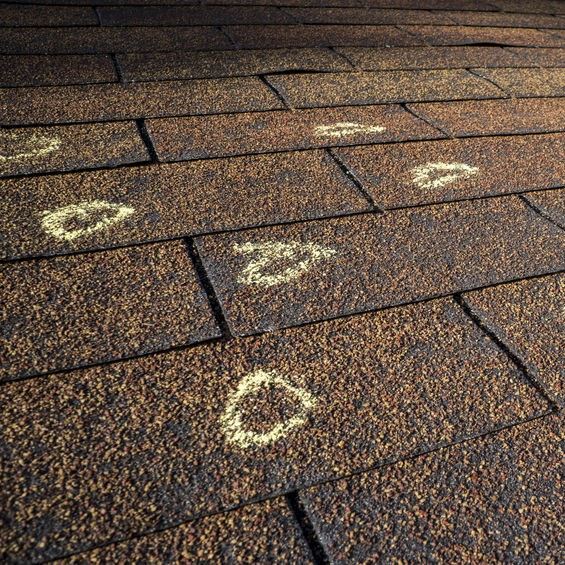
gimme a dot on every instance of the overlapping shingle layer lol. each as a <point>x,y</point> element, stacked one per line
<point>282,281</point>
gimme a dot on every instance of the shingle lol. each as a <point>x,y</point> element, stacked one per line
<point>527,82</point>
<point>551,203</point>
<point>259,132</point>
<point>499,19</point>
<point>42,70</point>
<point>495,116</point>
<point>336,267</point>
<point>539,6</point>
<point>491,500</point>
<point>318,36</point>
<point>528,317</point>
<point>109,39</point>
<point>467,35</point>
<point>176,200</point>
<point>411,174</point>
<point>165,438</point>
<point>337,89</point>
<point>71,311</point>
<point>21,16</point>
<point>431,4</point>
<point>64,148</point>
<point>179,65</point>
<point>100,102</point>
<point>378,59</point>
<point>259,533</point>
<point>543,57</point>
<point>366,16</point>
<point>191,15</point>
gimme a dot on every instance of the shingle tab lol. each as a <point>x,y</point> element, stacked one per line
<point>551,203</point>
<point>191,15</point>
<point>539,6</point>
<point>337,89</point>
<point>411,174</point>
<point>467,35</point>
<point>259,37</point>
<point>541,56</point>
<point>42,70</point>
<point>408,58</point>
<point>64,148</point>
<point>99,102</point>
<point>178,200</point>
<point>528,317</point>
<point>190,65</point>
<point>71,311</point>
<point>259,132</point>
<point>527,82</point>
<point>495,116</point>
<point>22,16</point>
<point>498,19</point>
<point>109,39</point>
<point>366,16</point>
<point>259,533</point>
<point>493,499</point>
<point>165,438</point>
<point>281,276</point>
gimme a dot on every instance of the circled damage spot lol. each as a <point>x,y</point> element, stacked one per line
<point>342,129</point>
<point>438,175</point>
<point>17,147</point>
<point>252,384</point>
<point>302,256</point>
<point>78,220</point>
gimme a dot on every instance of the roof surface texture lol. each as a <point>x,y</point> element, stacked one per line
<point>282,281</point>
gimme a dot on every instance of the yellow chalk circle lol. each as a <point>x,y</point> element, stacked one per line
<point>98,213</point>
<point>231,420</point>
<point>38,145</point>
<point>426,176</point>
<point>341,129</point>
<point>272,251</point>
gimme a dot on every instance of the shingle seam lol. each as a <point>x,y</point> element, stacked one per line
<point>117,68</point>
<point>427,120</point>
<point>146,137</point>
<point>307,528</point>
<point>284,101</point>
<point>539,211</point>
<point>508,351</point>
<point>473,71</point>
<point>208,288</point>
<point>348,173</point>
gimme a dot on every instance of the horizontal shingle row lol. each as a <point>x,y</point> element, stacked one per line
<point>174,200</point>
<point>170,437</point>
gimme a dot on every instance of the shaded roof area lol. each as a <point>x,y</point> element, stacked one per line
<point>282,280</point>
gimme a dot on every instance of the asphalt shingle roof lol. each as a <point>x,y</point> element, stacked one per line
<point>282,281</point>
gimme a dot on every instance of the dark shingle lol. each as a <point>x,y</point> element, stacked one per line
<point>410,174</point>
<point>375,261</point>
<point>215,64</point>
<point>260,132</point>
<point>177,200</point>
<point>71,311</point>
<point>64,148</point>
<point>165,438</point>
<point>486,117</point>
<point>492,499</point>
<point>100,102</point>
<point>337,89</point>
